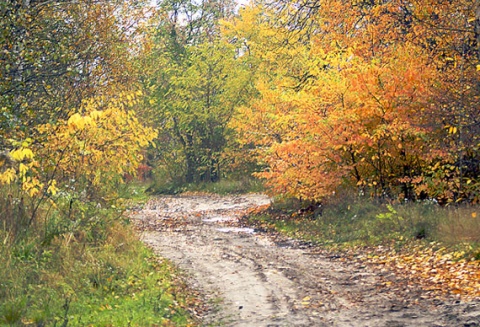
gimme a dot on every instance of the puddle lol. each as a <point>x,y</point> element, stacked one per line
<point>236,230</point>
<point>218,219</point>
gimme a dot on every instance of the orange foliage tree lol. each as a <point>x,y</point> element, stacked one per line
<point>374,96</point>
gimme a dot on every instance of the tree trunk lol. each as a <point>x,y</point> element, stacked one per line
<point>190,174</point>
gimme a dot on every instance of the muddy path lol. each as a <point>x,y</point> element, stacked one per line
<point>251,279</point>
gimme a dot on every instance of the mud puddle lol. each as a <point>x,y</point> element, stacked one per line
<point>253,280</point>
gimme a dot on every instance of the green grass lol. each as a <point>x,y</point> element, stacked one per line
<point>246,185</point>
<point>134,191</point>
<point>363,222</point>
<point>224,186</point>
<point>88,271</point>
<point>119,283</point>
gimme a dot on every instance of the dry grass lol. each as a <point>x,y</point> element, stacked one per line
<point>459,225</point>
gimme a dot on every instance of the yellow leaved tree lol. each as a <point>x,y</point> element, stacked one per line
<point>82,157</point>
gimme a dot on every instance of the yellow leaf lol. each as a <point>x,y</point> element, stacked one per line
<point>306,300</point>
<point>20,154</point>
<point>452,130</point>
<point>33,191</point>
<point>22,169</point>
<point>474,215</point>
<point>8,176</point>
<point>52,189</point>
<point>95,114</point>
<point>75,121</point>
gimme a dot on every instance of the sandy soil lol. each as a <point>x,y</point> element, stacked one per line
<point>253,279</point>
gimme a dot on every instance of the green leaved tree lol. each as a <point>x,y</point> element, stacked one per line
<point>197,82</point>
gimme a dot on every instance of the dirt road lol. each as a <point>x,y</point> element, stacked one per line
<point>254,280</point>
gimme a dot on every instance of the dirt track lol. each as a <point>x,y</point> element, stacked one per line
<point>254,280</point>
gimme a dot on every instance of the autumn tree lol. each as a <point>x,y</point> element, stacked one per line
<point>54,54</point>
<point>68,131</point>
<point>365,95</point>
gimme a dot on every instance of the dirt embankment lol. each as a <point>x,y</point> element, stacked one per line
<point>251,279</point>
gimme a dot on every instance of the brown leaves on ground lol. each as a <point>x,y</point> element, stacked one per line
<point>257,210</point>
<point>184,297</point>
<point>436,270</point>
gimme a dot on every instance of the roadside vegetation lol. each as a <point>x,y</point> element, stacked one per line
<point>437,248</point>
<point>72,133</point>
<point>89,271</point>
<point>360,221</point>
